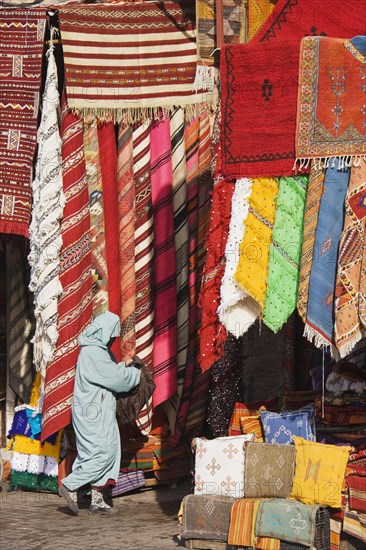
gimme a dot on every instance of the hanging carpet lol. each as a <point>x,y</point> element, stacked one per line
<point>21,50</point>
<point>331,99</point>
<point>75,304</point>
<point>129,57</point>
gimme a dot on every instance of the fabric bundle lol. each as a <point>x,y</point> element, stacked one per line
<point>242,526</point>
<point>284,254</point>
<point>331,98</point>
<point>129,60</point>
<point>75,306</point>
<point>44,230</point>
<point>237,311</point>
<point>21,50</point>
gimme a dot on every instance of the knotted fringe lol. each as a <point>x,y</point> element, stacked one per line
<point>137,114</point>
<point>320,342</point>
<point>344,161</point>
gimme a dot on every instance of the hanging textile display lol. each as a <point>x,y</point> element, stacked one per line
<point>20,321</point>
<point>179,174</point>
<point>320,312</point>
<point>144,253</point>
<point>237,311</point>
<point>331,99</point>
<point>212,333</point>
<point>108,166</point>
<point>97,229</point>
<point>284,253</point>
<point>142,56</point>
<point>21,50</point>
<point>348,327</point>
<point>75,306</point>
<point>251,272</point>
<point>165,290</point>
<point>44,231</point>
<point>315,190</point>
<point>234,26</point>
<point>126,205</point>
<point>260,84</point>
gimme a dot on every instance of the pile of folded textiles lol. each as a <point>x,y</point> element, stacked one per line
<point>273,485</point>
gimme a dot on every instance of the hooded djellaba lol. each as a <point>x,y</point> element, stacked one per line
<point>98,379</point>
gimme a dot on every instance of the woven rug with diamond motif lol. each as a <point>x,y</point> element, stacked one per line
<point>22,34</point>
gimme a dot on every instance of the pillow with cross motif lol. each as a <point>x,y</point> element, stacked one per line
<point>219,465</point>
<point>281,427</point>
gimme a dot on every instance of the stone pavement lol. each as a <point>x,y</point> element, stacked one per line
<point>146,520</point>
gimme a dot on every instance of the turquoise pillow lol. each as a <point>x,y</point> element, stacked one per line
<point>280,427</point>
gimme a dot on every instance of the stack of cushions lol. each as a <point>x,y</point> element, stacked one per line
<point>242,410</point>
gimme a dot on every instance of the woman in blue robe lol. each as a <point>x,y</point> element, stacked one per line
<point>98,378</point>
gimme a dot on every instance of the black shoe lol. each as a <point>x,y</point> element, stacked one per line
<point>99,511</point>
<point>65,492</point>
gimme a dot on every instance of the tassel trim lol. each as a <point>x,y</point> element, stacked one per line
<point>344,161</point>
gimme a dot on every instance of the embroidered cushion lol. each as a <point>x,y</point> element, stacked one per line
<point>219,466</point>
<point>319,472</point>
<point>281,427</point>
<point>269,470</point>
<point>252,425</point>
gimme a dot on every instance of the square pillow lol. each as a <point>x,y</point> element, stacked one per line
<point>252,425</point>
<point>281,427</point>
<point>219,466</point>
<point>240,409</point>
<point>319,473</point>
<point>269,470</point>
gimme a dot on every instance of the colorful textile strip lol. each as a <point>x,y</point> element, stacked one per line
<point>320,313</point>
<point>34,482</point>
<point>131,52</point>
<point>20,321</point>
<point>331,98</point>
<point>126,204</point>
<point>21,50</point>
<point>285,252</point>
<point>251,272</point>
<point>258,13</point>
<point>179,170</point>
<point>45,228</point>
<point>191,143</point>
<point>165,301</point>
<point>128,481</point>
<point>75,305</point>
<point>212,333</point>
<point>242,526</point>
<point>97,229</point>
<point>237,311</point>
<point>108,166</point>
<point>315,190</point>
<point>234,26</point>
<point>144,252</point>
<point>348,328</point>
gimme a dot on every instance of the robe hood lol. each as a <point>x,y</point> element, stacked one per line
<point>101,330</point>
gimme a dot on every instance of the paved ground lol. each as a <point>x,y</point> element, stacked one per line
<point>146,520</point>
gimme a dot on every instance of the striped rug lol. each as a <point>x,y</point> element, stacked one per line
<point>75,305</point>
<point>126,204</point>
<point>144,257</point>
<point>127,57</point>
<point>165,300</point>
